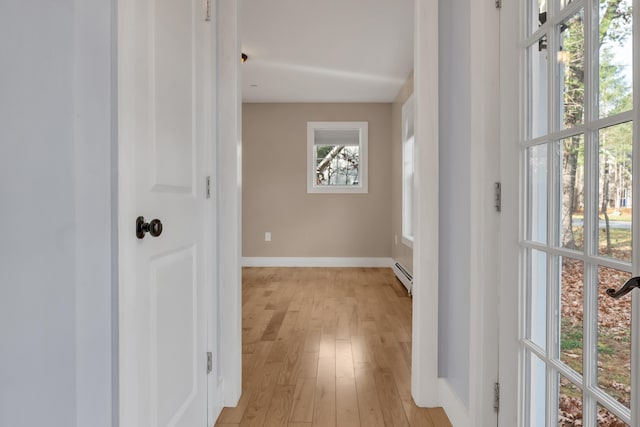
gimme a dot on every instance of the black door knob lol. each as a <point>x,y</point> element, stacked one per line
<point>154,227</point>
<point>631,284</point>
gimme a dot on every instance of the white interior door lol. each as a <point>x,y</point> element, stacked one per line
<point>569,139</point>
<point>164,82</point>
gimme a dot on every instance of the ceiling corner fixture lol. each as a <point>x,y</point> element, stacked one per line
<point>243,58</point>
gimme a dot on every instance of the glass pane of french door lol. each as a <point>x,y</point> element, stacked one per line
<point>578,359</point>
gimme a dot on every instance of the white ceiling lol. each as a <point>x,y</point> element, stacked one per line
<point>325,50</point>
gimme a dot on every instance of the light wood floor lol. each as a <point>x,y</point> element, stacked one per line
<point>326,347</point>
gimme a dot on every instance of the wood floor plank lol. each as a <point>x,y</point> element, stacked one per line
<point>328,346</point>
<point>324,347</point>
<point>279,407</point>
<point>360,353</point>
<point>250,384</point>
<point>256,411</point>
<point>293,360</point>
<point>401,373</point>
<point>312,343</point>
<point>303,400</point>
<point>342,330</point>
<point>288,325</point>
<point>324,405</point>
<point>273,327</point>
<point>390,402</point>
<point>418,417</point>
<point>347,413</point>
<point>439,417</point>
<point>278,352</point>
<point>344,359</point>
<point>308,366</point>
<point>368,403</point>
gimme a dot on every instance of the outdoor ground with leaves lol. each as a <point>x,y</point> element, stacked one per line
<point>614,342</point>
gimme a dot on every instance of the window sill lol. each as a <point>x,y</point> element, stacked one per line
<point>407,241</point>
<point>337,190</point>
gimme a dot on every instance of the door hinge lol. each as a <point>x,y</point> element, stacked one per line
<point>496,397</point>
<point>208,187</point>
<point>498,4</point>
<point>207,10</point>
<point>497,196</point>
<point>209,362</point>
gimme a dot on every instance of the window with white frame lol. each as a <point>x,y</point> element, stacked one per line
<point>408,118</point>
<point>337,157</point>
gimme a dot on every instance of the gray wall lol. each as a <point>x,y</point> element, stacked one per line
<point>55,213</point>
<point>455,182</point>
<point>274,185</point>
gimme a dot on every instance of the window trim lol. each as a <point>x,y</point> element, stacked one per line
<point>363,178</point>
<point>408,109</point>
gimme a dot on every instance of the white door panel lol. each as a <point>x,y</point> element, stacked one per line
<point>174,333</point>
<point>173,95</point>
<point>163,126</point>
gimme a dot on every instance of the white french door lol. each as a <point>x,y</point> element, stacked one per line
<point>577,154</point>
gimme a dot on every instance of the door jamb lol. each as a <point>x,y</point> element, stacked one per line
<point>483,357</point>
<point>425,313</point>
<point>229,201</point>
<point>485,222</point>
<point>510,106</point>
<point>424,366</point>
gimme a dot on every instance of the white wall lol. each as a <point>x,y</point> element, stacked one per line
<point>454,196</point>
<point>95,129</point>
<point>55,210</point>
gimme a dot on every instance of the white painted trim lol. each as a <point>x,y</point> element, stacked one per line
<point>229,201</point>
<point>215,393</point>
<point>485,223</point>
<point>424,366</point>
<point>407,241</point>
<point>456,410</point>
<point>217,405</point>
<point>398,268</point>
<point>511,21</point>
<point>635,307</point>
<point>408,115</point>
<point>127,346</point>
<point>381,262</point>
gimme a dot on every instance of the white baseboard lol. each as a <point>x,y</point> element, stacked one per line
<point>316,262</point>
<point>456,410</point>
<point>218,401</point>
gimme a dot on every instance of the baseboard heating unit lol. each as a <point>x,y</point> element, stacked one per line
<point>403,275</point>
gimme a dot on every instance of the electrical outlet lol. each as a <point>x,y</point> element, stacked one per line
<point>267,236</point>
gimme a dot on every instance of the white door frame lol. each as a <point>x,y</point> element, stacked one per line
<point>485,221</point>
<point>427,388</point>
<point>510,106</point>
<point>229,155</point>
<point>483,346</point>
<point>214,392</point>
<point>229,201</point>
<point>424,366</point>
